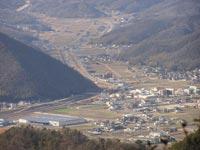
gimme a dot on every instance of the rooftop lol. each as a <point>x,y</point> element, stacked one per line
<point>45,118</point>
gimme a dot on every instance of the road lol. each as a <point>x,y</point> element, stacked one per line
<point>111,69</point>
<point>45,107</point>
<point>26,5</point>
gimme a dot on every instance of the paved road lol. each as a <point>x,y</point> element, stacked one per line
<point>26,5</point>
<point>44,107</point>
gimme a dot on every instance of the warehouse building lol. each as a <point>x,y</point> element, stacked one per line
<point>3,122</point>
<point>52,120</point>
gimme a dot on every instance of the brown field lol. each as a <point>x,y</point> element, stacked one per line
<point>189,115</point>
<point>2,130</point>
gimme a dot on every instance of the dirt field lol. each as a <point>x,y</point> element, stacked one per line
<point>2,130</point>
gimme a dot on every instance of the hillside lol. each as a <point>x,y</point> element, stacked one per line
<point>19,24</point>
<point>29,138</point>
<point>167,33</point>
<point>66,8</point>
<point>86,8</point>
<point>11,4</point>
<point>28,74</point>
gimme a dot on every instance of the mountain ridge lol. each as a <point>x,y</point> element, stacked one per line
<point>28,74</point>
<point>160,33</point>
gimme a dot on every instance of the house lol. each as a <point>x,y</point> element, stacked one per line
<point>129,118</point>
<point>167,92</point>
<point>193,90</point>
<point>173,129</point>
<point>158,134</point>
<point>96,131</point>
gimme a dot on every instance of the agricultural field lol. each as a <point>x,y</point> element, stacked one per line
<point>89,111</point>
<point>135,77</point>
<point>70,31</point>
<point>188,114</point>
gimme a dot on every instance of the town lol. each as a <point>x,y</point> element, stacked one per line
<point>146,113</point>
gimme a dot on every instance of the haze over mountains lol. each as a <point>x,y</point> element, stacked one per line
<point>28,74</point>
<point>88,8</point>
<point>161,33</point>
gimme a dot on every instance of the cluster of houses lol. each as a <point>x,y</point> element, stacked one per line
<point>97,58</point>
<point>148,109</point>
<point>12,106</point>
<point>155,137</point>
<point>193,76</point>
<point>144,125</point>
<point>149,99</point>
<point>164,92</point>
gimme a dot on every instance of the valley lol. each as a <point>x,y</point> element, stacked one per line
<point>137,101</point>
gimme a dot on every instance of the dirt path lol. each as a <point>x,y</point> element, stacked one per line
<point>26,5</point>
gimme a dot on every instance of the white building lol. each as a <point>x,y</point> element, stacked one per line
<point>52,120</point>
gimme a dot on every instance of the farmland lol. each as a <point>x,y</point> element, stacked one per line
<point>90,111</point>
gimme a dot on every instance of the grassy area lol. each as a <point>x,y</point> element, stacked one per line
<point>83,127</point>
<point>92,111</point>
<point>189,114</point>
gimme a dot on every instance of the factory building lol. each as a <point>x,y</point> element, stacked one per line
<point>52,120</point>
<point>3,122</point>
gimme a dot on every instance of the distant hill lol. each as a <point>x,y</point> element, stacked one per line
<point>28,74</point>
<point>66,8</point>
<point>19,24</point>
<point>11,4</point>
<point>125,6</point>
<point>167,33</point>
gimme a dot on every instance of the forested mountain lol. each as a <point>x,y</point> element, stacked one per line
<point>29,74</point>
<point>80,8</point>
<point>167,33</point>
<point>18,23</point>
<point>28,138</point>
<point>162,32</point>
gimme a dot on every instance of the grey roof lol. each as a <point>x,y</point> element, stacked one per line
<point>46,118</point>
